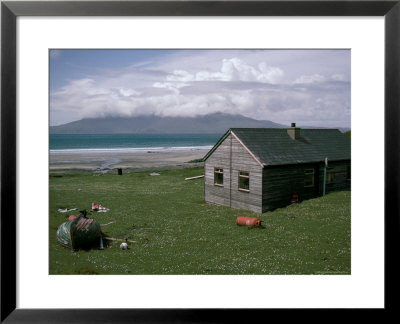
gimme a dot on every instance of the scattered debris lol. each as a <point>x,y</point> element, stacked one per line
<point>124,246</point>
<point>197,177</point>
<point>248,221</point>
<point>154,174</point>
<point>99,208</point>
<point>66,210</point>
<point>113,222</point>
<point>117,239</point>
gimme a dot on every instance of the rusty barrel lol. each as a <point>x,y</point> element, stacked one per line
<point>248,221</point>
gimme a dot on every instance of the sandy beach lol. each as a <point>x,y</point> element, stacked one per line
<point>105,161</point>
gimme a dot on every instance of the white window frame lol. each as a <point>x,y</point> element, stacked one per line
<point>218,171</point>
<point>241,176</point>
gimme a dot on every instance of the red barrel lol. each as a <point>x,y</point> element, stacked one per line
<point>248,221</point>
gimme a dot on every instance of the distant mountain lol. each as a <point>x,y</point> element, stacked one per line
<point>212,123</point>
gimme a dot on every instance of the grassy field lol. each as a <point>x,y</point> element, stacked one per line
<point>176,232</point>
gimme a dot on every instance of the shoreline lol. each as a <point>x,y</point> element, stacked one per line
<point>132,161</point>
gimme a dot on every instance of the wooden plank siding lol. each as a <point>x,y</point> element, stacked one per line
<point>275,171</point>
<point>341,177</point>
<point>233,157</point>
<point>279,183</point>
<point>219,159</point>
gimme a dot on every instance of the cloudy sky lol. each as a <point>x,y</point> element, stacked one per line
<point>309,87</point>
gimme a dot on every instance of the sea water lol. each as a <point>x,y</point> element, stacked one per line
<point>105,150</point>
<point>81,143</point>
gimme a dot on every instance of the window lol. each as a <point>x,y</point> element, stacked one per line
<point>330,175</point>
<point>244,180</point>
<point>219,177</point>
<point>309,178</point>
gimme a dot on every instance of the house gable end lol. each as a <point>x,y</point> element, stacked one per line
<point>222,139</point>
<point>247,149</point>
<point>216,145</point>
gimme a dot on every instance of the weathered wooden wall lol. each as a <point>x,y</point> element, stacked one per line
<point>279,183</point>
<point>220,158</point>
<point>340,176</point>
<point>270,187</point>
<point>243,161</point>
<point>229,194</point>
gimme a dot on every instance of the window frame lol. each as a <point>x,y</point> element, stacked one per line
<point>240,176</point>
<point>307,174</point>
<point>330,175</point>
<point>218,172</point>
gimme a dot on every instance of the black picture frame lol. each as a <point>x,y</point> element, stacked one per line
<point>10,10</point>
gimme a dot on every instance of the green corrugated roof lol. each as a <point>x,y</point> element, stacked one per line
<point>274,146</point>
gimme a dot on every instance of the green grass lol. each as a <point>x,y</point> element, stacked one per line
<point>176,232</point>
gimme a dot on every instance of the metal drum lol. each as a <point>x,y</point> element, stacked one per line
<point>248,221</point>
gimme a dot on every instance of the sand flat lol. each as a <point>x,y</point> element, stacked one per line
<point>149,160</point>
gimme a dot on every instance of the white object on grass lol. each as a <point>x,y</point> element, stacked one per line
<point>60,210</point>
<point>197,177</point>
<point>124,246</point>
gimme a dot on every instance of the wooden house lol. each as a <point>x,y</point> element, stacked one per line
<point>260,169</point>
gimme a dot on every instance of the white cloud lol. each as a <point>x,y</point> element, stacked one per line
<point>317,78</point>
<point>233,69</point>
<point>180,75</point>
<point>172,86</point>
<point>184,87</point>
<point>310,79</point>
<point>128,92</point>
<point>338,77</point>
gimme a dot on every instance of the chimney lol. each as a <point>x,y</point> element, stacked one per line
<point>293,131</point>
